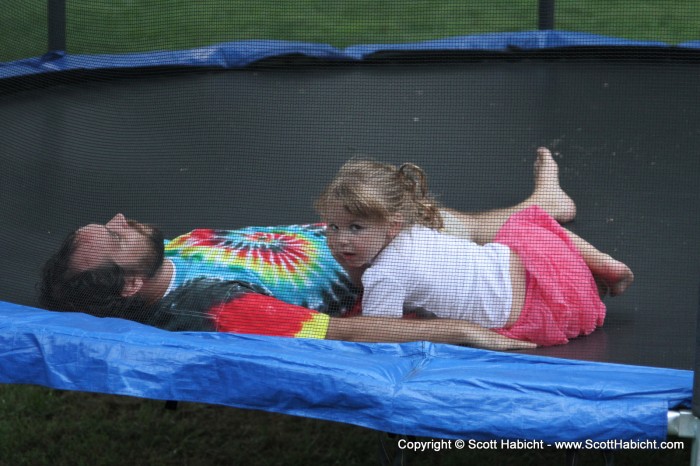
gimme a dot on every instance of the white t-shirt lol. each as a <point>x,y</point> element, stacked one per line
<point>422,269</point>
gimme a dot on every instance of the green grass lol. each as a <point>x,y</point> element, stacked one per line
<point>39,426</point>
<point>117,26</point>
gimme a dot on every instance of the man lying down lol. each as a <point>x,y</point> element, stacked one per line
<point>280,281</point>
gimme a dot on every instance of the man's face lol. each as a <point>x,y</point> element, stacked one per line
<point>135,247</point>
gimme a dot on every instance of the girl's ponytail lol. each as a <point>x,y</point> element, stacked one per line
<point>427,211</point>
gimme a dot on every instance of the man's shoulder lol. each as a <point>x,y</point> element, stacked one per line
<point>189,306</point>
<point>204,292</point>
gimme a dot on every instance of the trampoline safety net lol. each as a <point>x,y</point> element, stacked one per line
<point>425,185</point>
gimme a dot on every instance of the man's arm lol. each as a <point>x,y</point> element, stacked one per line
<point>458,332</point>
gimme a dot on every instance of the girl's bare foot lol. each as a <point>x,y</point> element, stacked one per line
<point>603,288</point>
<point>548,193</point>
<point>615,275</point>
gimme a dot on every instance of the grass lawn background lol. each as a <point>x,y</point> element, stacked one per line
<point>118,26</point>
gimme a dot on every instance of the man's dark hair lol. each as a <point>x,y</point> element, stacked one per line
<point>96,291</point>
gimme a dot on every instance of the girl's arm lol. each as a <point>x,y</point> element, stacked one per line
<point>259,314</point>
<point>458,332</point>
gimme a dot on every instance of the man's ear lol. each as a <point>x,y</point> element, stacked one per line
<point>132,285</point>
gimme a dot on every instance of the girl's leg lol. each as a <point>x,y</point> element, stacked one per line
<point>549,196</point>
<point>482,227</point>
<point>613,273</point>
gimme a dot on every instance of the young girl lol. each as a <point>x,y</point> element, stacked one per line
<point>535,281</point>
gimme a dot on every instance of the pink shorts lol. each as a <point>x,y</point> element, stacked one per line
<point>561,300</point>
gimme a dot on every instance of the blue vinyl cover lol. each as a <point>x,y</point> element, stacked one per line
<point>423,389</point>
<point>243,53</point>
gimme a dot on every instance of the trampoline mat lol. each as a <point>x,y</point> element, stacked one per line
<point>226,149</point>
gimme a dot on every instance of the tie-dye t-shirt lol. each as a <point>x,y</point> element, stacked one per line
<point>215,305</point>
<point>293,263</point>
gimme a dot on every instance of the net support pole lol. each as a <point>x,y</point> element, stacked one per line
<point>684,423</point>
<point>546,15</point>
<point>696,372</point>
<point>694,454</point>
<point>57,25</point>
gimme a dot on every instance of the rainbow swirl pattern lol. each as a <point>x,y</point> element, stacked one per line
<point>293,262</point>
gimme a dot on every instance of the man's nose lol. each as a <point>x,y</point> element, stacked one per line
<point>118,221</point>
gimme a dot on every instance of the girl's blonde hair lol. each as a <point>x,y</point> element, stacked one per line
<point>378,191</point>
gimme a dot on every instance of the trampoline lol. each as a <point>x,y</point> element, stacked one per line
<point>267,123</point>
